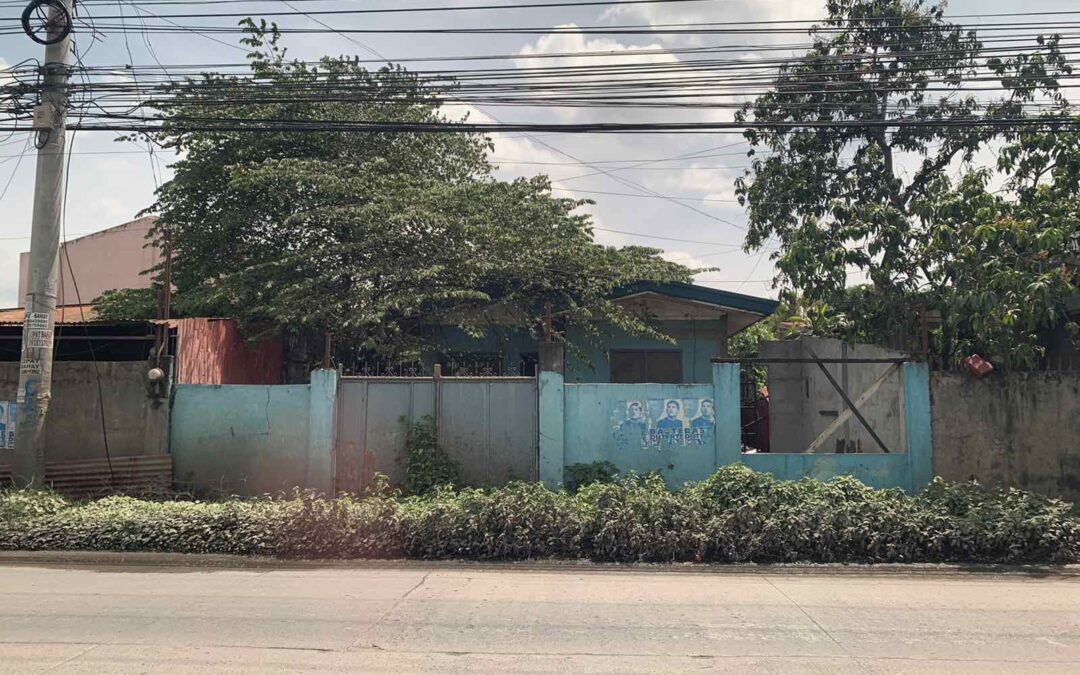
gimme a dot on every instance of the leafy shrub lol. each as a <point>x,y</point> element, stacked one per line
<point>734,516</point>
<point>425,467</point>
<point>17,504</point>
<point>577,476</point>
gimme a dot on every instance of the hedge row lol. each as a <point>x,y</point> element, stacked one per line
<point>734,516</point>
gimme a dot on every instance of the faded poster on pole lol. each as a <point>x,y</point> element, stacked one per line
<point>9,411</point>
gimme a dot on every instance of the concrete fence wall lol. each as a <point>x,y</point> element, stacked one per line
<point>585,423</point>
<point>255,439</point>
<point>487,425</point>
<point>1020,430</point>
<point>136,420</point>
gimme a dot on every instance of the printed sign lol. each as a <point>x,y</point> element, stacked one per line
<point>663,423</point>
<point>37,321</point>
<point>9,411</point>
<point>39,339</point>
<point>30,366</point>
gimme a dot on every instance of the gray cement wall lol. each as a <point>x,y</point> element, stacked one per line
<point>1020,430</point>
<point>136,422</point>
<point>802,402</point>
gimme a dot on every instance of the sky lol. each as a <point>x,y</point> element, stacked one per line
<point>684,206</point>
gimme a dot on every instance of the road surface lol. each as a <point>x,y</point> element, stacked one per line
<point>450,619</point>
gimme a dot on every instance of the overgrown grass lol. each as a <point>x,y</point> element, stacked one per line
<point>734,516</point>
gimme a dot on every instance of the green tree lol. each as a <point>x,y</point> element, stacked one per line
<point>370,235</point>
<point>1002,261</point>
<point>864,123</point>
<point>864,133</point>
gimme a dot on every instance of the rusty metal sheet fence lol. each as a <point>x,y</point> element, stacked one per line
<point>487,424</point>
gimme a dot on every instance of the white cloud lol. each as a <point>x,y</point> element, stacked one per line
<point>721,13</point>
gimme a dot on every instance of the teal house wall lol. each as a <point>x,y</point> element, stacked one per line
<point>698,341</point>
<point>698,321</point>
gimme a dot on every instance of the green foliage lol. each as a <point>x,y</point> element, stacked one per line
<point>127,304</point>
<point>577,476</point>
<point>736,515</point>
<point>21,504</point>
<point>747,344</point>
<point>426,468</point>
<point>372,236</point>
<point>875,194</point>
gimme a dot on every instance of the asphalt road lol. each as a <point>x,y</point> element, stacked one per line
<point>450,619</point>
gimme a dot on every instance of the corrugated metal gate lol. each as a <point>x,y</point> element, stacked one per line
<point>488,424</point>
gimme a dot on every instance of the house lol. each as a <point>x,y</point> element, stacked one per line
<point>700,320</point>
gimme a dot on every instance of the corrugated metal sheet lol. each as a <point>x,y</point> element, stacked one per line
<point>64,314</point>
<point>212,351</point>
<point>94,476</point>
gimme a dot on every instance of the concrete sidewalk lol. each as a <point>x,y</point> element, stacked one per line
<point>473,618</point>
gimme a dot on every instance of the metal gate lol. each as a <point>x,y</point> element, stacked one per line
<point>487,424</point>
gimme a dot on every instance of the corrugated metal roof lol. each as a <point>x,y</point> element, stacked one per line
<point>67,314</point>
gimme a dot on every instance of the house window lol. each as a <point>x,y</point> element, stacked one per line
<point>646,365</point>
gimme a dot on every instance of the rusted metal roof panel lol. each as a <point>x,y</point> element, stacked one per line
<point>100,476</point>
<point>64,315</point>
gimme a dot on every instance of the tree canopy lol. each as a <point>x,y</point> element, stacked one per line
<point>871,163</point>
<point>370,235</point>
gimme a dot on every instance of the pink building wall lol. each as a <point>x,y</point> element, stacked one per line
<point>111,259</point>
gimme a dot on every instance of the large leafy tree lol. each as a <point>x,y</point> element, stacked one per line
<point>862,125</point>
<point>1002,261</point>
<point>853,171</point>
<point>370,235</point>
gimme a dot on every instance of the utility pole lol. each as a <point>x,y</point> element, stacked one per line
<point>47,22</point>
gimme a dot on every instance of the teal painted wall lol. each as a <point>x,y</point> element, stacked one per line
<point>255,439</point>
<point>590,418</point>
<point>552,401</point>
<point>699,342</point>
<point>625,424</point>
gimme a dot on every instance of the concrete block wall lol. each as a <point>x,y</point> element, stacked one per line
<point>1020,430</point>
<point>136,419</point>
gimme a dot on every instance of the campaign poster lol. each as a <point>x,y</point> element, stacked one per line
<point>663,423</point>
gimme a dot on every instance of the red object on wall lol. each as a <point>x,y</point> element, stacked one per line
<point>978,366</point>
<point>212,351</point>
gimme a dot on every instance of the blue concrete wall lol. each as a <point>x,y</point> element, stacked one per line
<point>552,401</point>
<point>254,439</point>
<point>592,419</point>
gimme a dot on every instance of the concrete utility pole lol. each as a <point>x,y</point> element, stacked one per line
<point>54,20</point>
